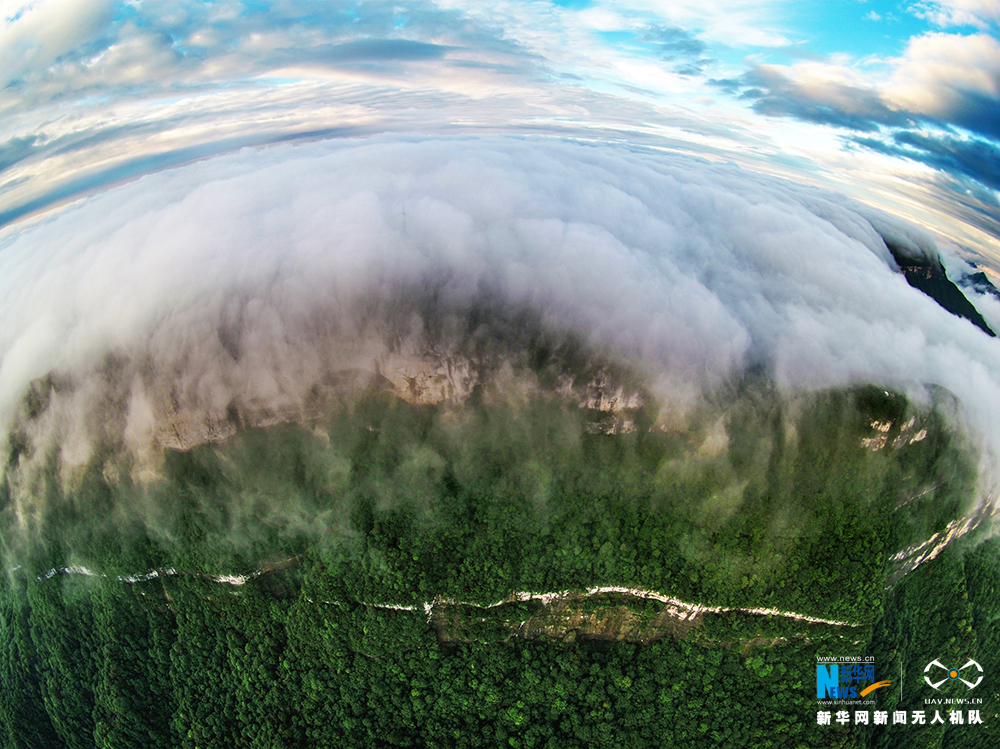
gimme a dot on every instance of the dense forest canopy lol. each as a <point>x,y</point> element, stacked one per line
<point>362,580</point>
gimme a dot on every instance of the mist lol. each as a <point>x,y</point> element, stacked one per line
<point>276,285</point>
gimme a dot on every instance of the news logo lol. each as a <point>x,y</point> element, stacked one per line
<point>846,681</point>
<point>952,674</point>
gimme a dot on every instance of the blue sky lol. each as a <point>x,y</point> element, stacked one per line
<point>894,103</point>
<point>857,28</point>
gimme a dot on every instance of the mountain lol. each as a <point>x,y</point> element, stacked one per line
<point>929,277</point>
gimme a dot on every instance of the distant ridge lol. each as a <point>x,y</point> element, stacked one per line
<point>929,277</point>
<point>978,282</point>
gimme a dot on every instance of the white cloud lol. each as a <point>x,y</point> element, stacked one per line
<point>938,71</point>
<point>835,82</point>
<point>739,23</point>
<point>34,34</point>
<point>253,277</point>
<point>978,13</point>
<point>933,76</point>
<point>940,79</point>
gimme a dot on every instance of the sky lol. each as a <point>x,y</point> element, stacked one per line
<point>896,104</point>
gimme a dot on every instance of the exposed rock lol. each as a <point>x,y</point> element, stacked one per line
<point>929,277</point>
<point>570,618</point>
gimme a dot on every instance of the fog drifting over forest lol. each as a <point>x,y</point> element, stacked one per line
<point>249,280</point>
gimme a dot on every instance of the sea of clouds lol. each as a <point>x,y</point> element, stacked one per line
<point>250,278</point>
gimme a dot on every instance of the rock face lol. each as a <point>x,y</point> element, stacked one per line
<point>436,378</point>
<point>567,619</point>
<point>929,277</point>
<point>907,434</point>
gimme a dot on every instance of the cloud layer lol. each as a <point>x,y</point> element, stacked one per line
<point>255,279</point>
<point>97,92</point>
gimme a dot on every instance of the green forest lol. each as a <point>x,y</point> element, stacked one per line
<point>372,550</point>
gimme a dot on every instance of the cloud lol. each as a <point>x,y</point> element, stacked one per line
<point>249,283</point>
<point>121,88</point>
<point>676,44</point>
<point>978,13</point>
<point>672,41</point>
<point>736,23</point>
<point>941,78</point>
<point>810,92</point>
<point>16,149</point>
<point>142,49</point>
<point>975,158</point>
<point>941,82</point>
<point>370,55</point>
<point>35,34</point>
<point>950,78</point>
<point>365,50</point>
<point>156,83</point>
